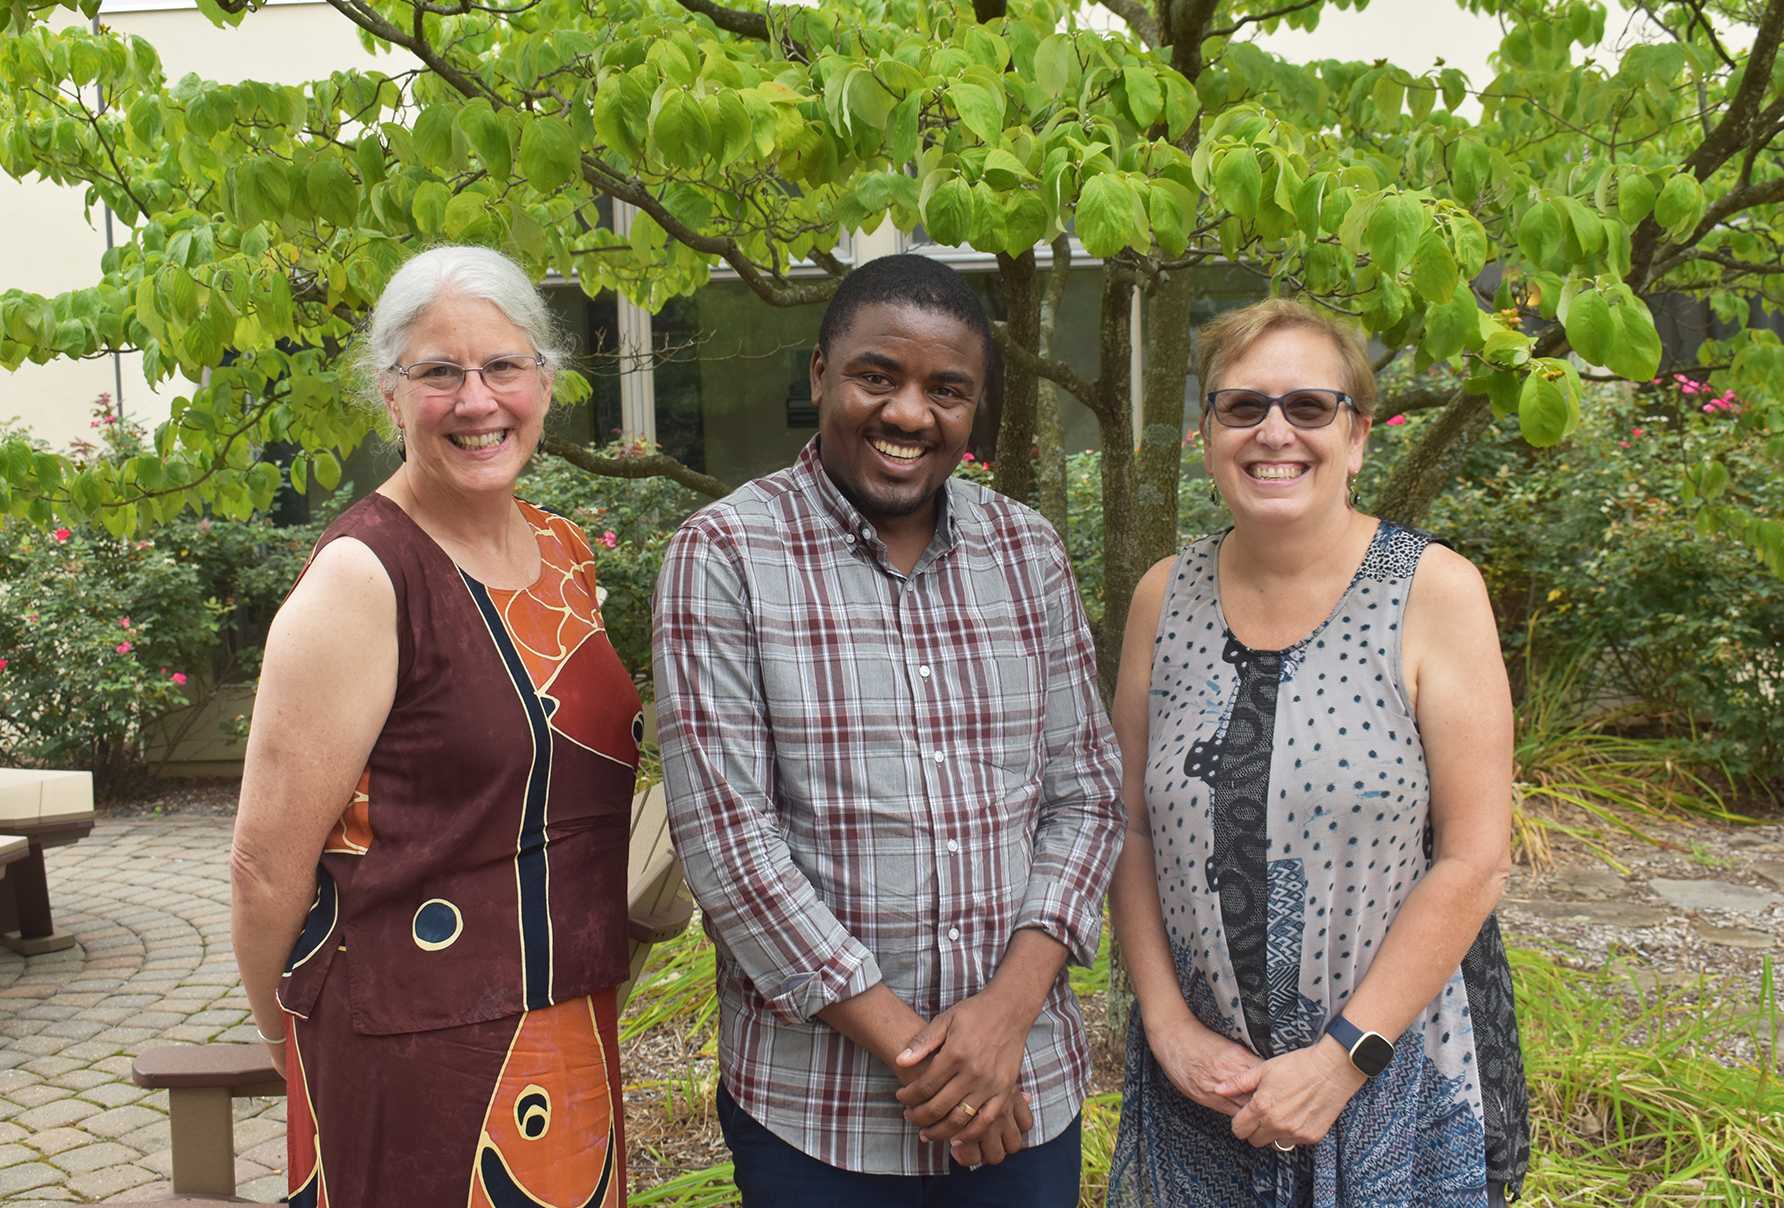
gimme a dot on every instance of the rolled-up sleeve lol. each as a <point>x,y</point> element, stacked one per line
<point>1081,815</point>
<point>718,768</point>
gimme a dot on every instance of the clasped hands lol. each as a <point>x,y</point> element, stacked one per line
<point>960,1075</point>
<point>1290,1099</point>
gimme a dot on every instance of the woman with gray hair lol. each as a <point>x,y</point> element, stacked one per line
<point>429,868</point>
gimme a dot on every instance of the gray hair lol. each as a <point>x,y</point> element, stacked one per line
<point>442,272</point>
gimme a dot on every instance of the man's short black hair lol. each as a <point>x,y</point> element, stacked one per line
<point>905,280</point>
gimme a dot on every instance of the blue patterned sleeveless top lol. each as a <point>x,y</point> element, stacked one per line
<point>1289,805</point>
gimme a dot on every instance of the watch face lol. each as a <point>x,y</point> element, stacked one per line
<point>1372,1054</point>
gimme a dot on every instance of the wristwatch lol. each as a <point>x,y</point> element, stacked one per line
<point>1370,1052</point>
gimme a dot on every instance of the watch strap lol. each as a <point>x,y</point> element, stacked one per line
<point>1370,1052</point>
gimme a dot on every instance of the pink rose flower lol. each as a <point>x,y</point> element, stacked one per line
<point>179,678</point>
<point>1622,444</point>
<point>1635,432</point>
<point>609,540</point>
<point>1395,421</point>
<point>2,664</point>
<point>63,534</point>
<point>123,647</point>
<point>123,622</point>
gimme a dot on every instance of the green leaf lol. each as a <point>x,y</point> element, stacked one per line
<point>467,216</point>
<point>1434,272</point>
<point>1590,328</point>
<point>1680,204</point>
<point>904,129</point>
<point>1181,105</point>
<point>489,137</point>
<point>432,137</point>
<point>328,470</point>
<point>1025,221</point>
<point>1105,215</point>
<point>1634,352</point>
<point>1004,171</point>
<point>1448,328</point>
<point>1471,168</point>
<point>1635,196</point>
<point>1469,238</point>
<point>429,207</point>
<point>548,154</point>
<point>1387,95</point>
<point>1539,233</point>
<point>1542,411</point>
<point>621,112</point>
<point>262,189</point>
<point>1394,230</point>
<point>334,194</point>
<point>1056,64</point>
<point>1238,182</point>
<point>1165,206</point>
<point>733,135</point>
<point>679,130</point>
<point>980,111</point>
<point>1145,99</point>
<point>948,212</point>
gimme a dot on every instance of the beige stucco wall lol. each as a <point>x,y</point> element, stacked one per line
<point>52,246</point>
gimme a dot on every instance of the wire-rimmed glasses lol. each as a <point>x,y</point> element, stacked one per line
<point>445,377</point>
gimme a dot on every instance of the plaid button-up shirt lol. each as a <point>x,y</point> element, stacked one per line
<point>874,776</point>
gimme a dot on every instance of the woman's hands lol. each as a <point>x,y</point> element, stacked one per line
<point>1199,1062</point>
<point>1294,1098</point>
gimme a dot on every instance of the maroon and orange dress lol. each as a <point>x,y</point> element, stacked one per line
<point>453,1024</point>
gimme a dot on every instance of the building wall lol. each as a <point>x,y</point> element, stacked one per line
<point>286,43</point>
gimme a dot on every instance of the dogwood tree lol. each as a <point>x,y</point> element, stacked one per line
<point>1523,247</point>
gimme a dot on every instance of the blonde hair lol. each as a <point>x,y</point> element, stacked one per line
<point>1225,338</point>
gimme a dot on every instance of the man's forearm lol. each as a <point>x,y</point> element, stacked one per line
<point>1030,966</point>
<point>880,1022</point>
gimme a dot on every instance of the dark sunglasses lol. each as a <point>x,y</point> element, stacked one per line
<point>1306,408</point>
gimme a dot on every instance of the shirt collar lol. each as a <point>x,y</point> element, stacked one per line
<point>815,483</point>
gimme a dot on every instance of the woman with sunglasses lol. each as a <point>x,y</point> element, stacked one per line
<point>1313,711</point>
<point>429,869</point>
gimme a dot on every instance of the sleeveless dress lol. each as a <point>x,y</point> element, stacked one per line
<point>1289,806</point>
<point>450,1000</point>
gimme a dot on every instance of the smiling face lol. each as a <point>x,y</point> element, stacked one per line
<point>895,400</point>
<point>1276,471</point>
<point>473,439</point>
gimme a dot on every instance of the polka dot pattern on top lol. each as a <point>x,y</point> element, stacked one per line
<point>1289,804</point>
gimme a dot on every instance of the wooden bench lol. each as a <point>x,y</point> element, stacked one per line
<point>46,809</point>
<point>201,1080</point>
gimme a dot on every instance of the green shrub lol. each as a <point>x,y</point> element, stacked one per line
<point>100,635</point>
<point>1594,560</point>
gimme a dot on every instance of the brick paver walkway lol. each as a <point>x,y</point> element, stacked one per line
<point>148,902</point>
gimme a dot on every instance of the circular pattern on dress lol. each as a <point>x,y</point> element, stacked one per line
<point>437,924</point>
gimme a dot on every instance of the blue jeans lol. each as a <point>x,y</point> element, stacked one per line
<point>773,1174</point>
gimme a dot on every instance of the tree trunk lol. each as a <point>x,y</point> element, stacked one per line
<point>1014,471</point>
<point>1112,403</point>
<point>1423,471</point>
<point>1160,459</point>
<point>1049,421</point>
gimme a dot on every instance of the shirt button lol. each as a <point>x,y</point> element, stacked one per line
<point>848,538</point>
<point>953,845</point>
<point>923,671</point>
<point>953,933</point>
<point>938,756</point>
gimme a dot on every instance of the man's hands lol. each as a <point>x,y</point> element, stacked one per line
<point>970,1056</point>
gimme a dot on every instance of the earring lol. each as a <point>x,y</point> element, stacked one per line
<point>1351,497</point>
<point>1213,492</point>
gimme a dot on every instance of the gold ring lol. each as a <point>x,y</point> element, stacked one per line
<point>1281,1148</point>
<point>968,1108</point>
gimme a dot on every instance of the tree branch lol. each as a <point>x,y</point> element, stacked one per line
<point>1242,22</point>
<point>654,465</point>
<point>1137,17</point>
<point>1057,372</point>
<point>1185,29</point>
<point>1744,267</point>
<point>744,25</point>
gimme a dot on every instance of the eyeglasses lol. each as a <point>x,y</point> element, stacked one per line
<point>1306,408</point>
<point>444,377</point>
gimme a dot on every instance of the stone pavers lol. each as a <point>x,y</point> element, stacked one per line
<point>148,903</point>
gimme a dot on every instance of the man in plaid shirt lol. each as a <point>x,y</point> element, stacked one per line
<point>892,786</point>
